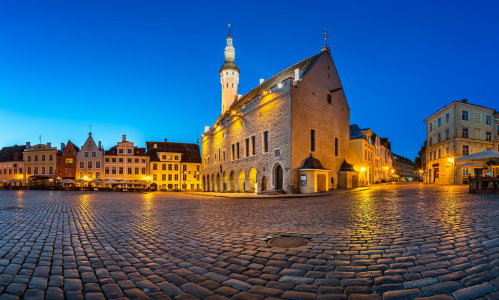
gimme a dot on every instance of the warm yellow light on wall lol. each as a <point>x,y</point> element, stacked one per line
<point>386,168</point>
<point>450,159</point>
<point>85,177</point>
<point>148,178</point>
<point>362,170</point>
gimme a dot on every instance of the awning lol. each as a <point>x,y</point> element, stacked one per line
<point>480,156</point>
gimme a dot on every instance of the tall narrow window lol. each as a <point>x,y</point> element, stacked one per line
<point>247,146</point>
<point>237,150</point>
<point>233,152</point>
<point>329,98</point>
<point>265,141</point>
<point>253,146</point>
<point>464,133</point>
<point>336,147</point>
<point>312,140</point>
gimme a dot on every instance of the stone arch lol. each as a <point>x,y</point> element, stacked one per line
<point>252,180</point>
<point>212,183</point>
<point>218,183</point>
<point>225,182</point>
<point>277,177</point>
<point>232,182</point>
<point>241,181</point>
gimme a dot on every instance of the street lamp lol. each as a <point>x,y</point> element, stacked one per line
<point>451,160</point>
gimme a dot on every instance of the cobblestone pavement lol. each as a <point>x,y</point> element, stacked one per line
<point>390,242</point>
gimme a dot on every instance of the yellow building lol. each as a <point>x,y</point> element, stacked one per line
<point>174,166</point>
<point>40,164</point>
<point>458,129</point>
<point>125,162</point>
<point>11,166</point>
<point>371,156</point>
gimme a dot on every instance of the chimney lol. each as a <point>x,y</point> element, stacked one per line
<point>100,145</point>
<point>261,80</point>
<point>49,144</point>
<point>297,76</point>
<point>155,146</point>
<point>28,145</point>
<point>62,146</point>
<point>123,138</point>
<point>464,101</point>
<point>166,140</point>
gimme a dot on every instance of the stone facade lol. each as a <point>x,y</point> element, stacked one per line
<point>458,129</point>
<point>259,143</point>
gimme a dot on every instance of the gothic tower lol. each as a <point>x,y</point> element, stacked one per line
<point>229,75</point>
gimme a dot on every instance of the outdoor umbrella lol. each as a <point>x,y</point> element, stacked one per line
<point>480,156</point>
<point>471,165</point>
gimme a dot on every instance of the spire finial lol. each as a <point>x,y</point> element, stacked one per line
<point>228,29</point>
<point>325,47</point>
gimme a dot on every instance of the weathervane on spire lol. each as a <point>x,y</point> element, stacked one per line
<point>228,27</point>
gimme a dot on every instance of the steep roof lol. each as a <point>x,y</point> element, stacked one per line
<point>12,153</point>
<point>303,65</point>
<point>190,152</point>
<point>355,132</point>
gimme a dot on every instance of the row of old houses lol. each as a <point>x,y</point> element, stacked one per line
<point>291,133</point>
<point>159,166</point>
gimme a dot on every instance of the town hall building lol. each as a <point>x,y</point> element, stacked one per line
<point>289,134</point>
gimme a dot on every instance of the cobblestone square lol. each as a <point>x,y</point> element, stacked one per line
<point>385,242</point>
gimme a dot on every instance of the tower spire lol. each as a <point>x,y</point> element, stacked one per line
<point>229,74</point>
<point>325,47</point>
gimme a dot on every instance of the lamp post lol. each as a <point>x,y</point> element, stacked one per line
<point>451,160</point>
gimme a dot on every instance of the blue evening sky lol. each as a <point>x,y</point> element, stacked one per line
<point>149,68</point>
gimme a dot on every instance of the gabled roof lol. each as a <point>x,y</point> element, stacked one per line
<point>12,153</point>
<point>190,152</point>
<point>303,65</point>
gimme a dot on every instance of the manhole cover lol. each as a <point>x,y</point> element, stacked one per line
<point>288,242</point>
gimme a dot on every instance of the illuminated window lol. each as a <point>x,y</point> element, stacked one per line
<point>69,160</point>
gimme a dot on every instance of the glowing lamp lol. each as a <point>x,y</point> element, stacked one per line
<point>450,159</point>
<point>85,177</point>
<point>362,169</point>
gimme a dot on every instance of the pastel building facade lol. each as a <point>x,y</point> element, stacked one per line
<point>11,164</point>
<point>40,163</point>
<point>126,162</point>
<point>262,140</point>
<point>174,166</point>
<point>90,160</point>
<point>370,155</point>
<point>66,161</point>
<point>458,129</point>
